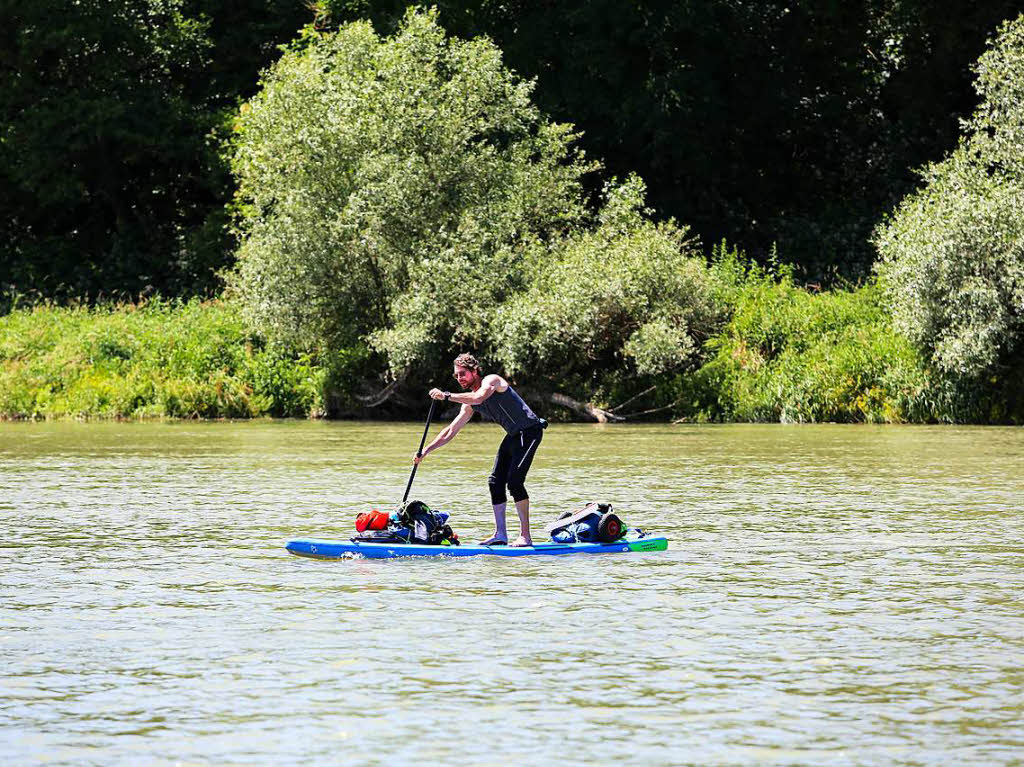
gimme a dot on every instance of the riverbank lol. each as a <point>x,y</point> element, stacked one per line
<point>785,354</point>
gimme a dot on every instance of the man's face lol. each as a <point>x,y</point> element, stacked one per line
<point>467,378</point>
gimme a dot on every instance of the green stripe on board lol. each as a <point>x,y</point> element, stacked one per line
<point>657,544</point>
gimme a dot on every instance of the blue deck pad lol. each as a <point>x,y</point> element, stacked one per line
<point>319,548</point>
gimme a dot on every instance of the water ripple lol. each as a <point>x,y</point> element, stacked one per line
<point>835,595</point>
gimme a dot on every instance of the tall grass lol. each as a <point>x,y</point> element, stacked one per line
<point>791,354</point>
<point>155,359</point>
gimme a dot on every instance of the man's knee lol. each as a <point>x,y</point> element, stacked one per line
<point>497,489</point>
<point>518,491</point>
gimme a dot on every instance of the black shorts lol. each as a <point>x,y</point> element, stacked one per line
<point>515,455</point>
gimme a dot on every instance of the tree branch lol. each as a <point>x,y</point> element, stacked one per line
<point>373,400</point>
<point>619,407</point>
<point>652,410</point>
<point>584,408</point>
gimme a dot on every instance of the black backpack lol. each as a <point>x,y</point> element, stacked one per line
<point>425,524</point>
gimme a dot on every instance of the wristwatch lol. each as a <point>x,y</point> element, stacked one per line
<point>447,396</point>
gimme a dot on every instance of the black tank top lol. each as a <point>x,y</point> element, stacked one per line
<point>508,410</point>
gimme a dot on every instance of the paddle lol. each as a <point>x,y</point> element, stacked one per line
<point>419,452</point>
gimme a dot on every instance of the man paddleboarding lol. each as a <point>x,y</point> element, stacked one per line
<point>492,397</point>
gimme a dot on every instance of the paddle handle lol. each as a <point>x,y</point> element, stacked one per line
<point>419,452</point>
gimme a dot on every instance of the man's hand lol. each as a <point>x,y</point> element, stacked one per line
<point>417,458</point>
<point>436,394</point>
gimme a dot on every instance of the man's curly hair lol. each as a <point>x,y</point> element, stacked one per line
<point>469,362</point>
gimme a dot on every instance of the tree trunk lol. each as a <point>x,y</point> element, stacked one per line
<point>584,408</point>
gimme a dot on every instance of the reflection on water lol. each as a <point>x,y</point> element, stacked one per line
<point>840,595</point>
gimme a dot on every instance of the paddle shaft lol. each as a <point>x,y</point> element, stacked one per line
<point>419,452</point>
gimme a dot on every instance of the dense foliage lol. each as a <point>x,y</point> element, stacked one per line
<point>111,177</point>
<point>791,123</point>
<point>793,355</point>
<point>401,195</point>
<point>788,124</point>
<point>405,193</point>
<point>953,254</point>
<point>159,358</point>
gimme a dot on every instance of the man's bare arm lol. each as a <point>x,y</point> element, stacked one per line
<point>488,386</point>
<point>447,434</point>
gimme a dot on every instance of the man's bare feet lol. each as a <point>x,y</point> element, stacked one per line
<point>522,541</point>
<point>494,540</point>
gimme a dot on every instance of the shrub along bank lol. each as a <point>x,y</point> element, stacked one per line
<point>155,359</point>
<point>781,353</point>
<point>793,354</point>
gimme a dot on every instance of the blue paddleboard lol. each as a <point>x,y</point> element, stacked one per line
<point>319,548</point>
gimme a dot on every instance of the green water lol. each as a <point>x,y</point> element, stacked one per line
<point>832,595</point>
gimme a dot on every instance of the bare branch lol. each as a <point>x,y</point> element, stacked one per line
<point>373,400</point>
<point>584,408</point>
<point>619,407</point>
<point>652,410</point>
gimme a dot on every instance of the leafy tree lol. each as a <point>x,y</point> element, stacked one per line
<point>953,253</point>
<point>405,193</point>
<point>390,187</point>
<point>774,123</point>
<point>96,199</point>
<point>111,179</point>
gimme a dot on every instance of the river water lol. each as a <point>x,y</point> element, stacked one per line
<point>842,595</point>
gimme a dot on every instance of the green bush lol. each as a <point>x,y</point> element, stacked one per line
<point>952,255</point>
<point>792,355</point>
<point>159,358</point>
<point>626,301</point>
